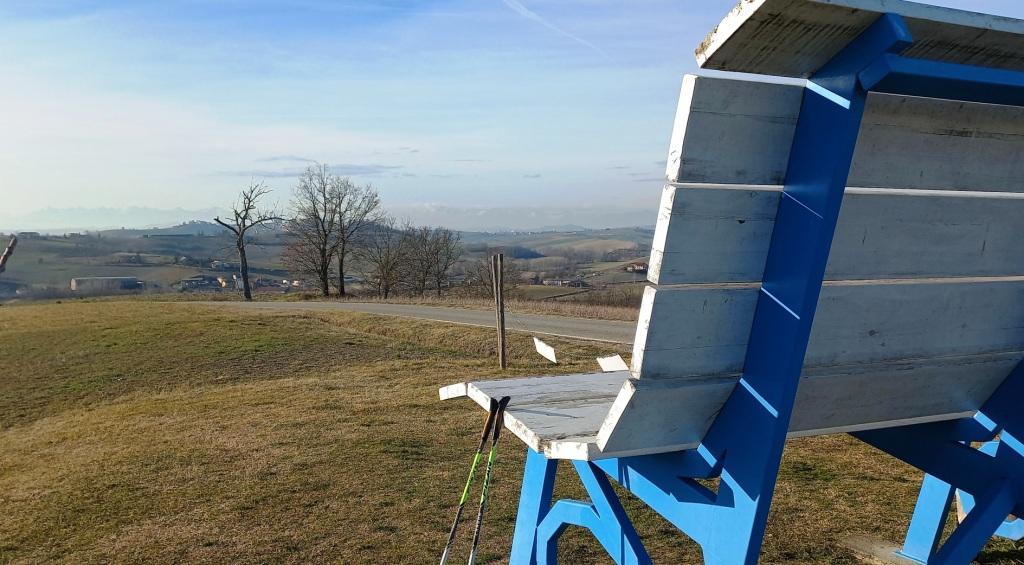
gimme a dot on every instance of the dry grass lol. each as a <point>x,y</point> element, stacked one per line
<point>146,432</point>
<point>572,309</point>
<point>561,307</point>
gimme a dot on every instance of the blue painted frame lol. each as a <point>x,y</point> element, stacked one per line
<point>1010,529</point>
<point>744,445</point>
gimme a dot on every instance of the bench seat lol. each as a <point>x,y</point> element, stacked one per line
<point>558,416</point>
<point>581,417</point>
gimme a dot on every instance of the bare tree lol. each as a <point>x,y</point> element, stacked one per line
<point>446,250</point>
<point>419,268</point>
<point>356,208</point>
<point>313,238</point>
<point>478,275</point>
<point>384,255</point>
<point>431,253</point>
<point>247,215</point>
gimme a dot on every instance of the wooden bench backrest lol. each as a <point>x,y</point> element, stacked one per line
<point>922,312</point>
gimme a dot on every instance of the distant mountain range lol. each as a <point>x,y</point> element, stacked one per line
<point>481,219</point>
<point>504,219</point>
<point>63,220</point>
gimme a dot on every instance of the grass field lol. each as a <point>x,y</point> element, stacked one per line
<point>53,262</point>
<point>168,432</point>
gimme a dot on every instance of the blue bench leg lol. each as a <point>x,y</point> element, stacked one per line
<point>603,516</point>
<point>539,524</point>
<point>929,518</point>
<point>534,504</point>
<point>970,537</point>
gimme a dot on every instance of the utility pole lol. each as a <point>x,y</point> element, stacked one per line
<point>498,285</point>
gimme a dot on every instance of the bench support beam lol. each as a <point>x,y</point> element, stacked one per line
<point>991,478</point>
<point>538,526</point>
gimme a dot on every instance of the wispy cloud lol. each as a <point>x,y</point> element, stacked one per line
<point>292,172</point>
<point>285,158</point>
<point>518,7</point>
<point>532,176</point>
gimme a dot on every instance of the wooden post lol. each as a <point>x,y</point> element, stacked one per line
<point>498,286</point>
<point>8,252</point>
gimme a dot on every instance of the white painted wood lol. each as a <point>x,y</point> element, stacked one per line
<point>731,131</point>
<point>545,350</point>
<point>612,364</point>
<point>697,330</point>
<point>602,415</point>
<point>795,38</point>
<point>457,390</point>
<point>721,233</point>
<point>908,142</point>
<point>558,416</point>
<point>712,233</point>
<point>649,414</point>
<point>694,331</point>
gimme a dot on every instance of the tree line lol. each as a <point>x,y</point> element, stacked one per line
<point>335,223</point>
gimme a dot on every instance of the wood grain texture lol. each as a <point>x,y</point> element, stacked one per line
<point>731,131</point>
<point>795,38</point>
<point>721,233</point>
<point>602,415</point>
<point>672,414</point>
<point>558,416</point>
<point>698,330</point>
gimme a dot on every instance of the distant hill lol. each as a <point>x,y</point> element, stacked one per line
<point>63,220</point>
<point>194,227</point>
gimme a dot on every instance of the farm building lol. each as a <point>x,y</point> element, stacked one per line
<point>202,282</point>
<point>639,267</point>
<point>104,285</point>
<point>576,282</point>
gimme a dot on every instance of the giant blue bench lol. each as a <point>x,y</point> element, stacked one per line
<point>841,254</point>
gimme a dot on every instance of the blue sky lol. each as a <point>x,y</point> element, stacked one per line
<point>439,103</point>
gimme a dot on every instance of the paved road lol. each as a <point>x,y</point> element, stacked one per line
<point>579,328</point>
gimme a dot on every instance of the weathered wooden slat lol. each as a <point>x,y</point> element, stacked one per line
<point>731,131</point>
<point>671,414</point>
<point>558,415</point>
<point>795,38</point>
<point>697,330</point>
<point>604,415</point>
<point>721,233</point>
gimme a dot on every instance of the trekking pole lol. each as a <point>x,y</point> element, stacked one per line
<point>469,482</point>
<point>498,423</point>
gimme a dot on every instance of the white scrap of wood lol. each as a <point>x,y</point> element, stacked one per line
<point>457,390</point>
<point>545,350</point>
<point>612,363</point>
